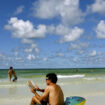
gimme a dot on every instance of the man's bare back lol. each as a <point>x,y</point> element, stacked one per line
<point>56,96</point>
<point>52,94</point>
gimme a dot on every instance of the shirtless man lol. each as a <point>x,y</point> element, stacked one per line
<point>52,94</point>
<point>10,73</point>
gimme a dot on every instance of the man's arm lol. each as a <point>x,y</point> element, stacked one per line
<point>38,89</point>
<point>44,96</point>
<point>35,87</point>
<point>14,74</point>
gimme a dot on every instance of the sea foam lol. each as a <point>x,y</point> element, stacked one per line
<point>71,76</point>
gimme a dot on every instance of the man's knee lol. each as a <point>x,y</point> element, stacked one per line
<point>35,100</point>
<point>32,101</point>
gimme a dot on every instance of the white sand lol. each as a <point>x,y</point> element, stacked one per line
<point>19,94</point>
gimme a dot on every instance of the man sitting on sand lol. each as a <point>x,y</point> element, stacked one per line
<point>10,73</point>
<point>52,94</point>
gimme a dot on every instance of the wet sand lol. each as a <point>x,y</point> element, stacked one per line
<point>93,89</point>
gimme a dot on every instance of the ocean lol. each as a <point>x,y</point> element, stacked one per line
<point>85,82</point>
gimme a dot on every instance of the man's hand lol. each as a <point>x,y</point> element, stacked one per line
<point>32,90</point>
<point>36,87</point>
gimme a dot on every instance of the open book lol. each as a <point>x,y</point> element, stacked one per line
<point>31,85</point>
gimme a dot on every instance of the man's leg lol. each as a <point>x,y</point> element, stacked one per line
<point>34,101</point>
<point>14,80</point>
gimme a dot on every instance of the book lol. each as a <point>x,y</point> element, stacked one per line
<point>30,84</point>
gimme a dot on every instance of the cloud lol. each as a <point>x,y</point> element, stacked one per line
<point>72,35</point>
<point>100,29</point>
<point>51,29</point>
<point>97,7</point>
<point>27,50</point>
<point>31,57</point>
<point>45,9</point>
<point>26,32</point>
<point>97,59</point>
<point>62,30</point>
<point>33,47</point>
<point>19,10</point>
<point>2,56</point>
<point>27,41</point>
<point>67,34</point>
<point>19,59</point>
<point>45,59</point>
<point>16,53</point>
<point>93,53</point>
<point>79,52</point>
<point>75,59</point>
<point>78,46</point>
<point>5,60</point>
<point>60,54</point>
<point>25,29</point>
<point>70,12</point>
<point>67,10</point>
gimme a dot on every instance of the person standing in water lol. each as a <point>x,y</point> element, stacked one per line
<point>52,94</point>
<point>11,73</point>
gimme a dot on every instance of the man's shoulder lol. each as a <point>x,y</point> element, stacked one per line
<point>56,85</point>
<point>53,86</point>
<point>49,87</point>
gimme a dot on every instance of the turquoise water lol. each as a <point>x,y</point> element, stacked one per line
<point>32,73</point>
<point>88,83</point>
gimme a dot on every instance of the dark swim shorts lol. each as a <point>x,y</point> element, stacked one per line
<point>14,79</point>
<point>42,103</point>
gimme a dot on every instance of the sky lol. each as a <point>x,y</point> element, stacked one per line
<point>52,33</point>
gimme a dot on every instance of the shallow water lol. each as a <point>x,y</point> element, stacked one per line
<point>91,87</point>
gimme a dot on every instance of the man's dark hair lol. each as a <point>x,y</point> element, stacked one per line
<point>52,77</point>
<point>11,67</point>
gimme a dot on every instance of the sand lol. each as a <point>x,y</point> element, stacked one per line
<point>92,89</point>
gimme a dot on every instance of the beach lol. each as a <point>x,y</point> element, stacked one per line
<point>90,86</point>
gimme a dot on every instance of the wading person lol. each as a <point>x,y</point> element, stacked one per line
<point>11,73</point>
<point>52,94</point>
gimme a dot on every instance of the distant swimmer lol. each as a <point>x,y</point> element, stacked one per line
<point>52,94</point>
<point>11,73</point>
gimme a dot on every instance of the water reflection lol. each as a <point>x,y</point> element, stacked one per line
<point>12,90</point>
